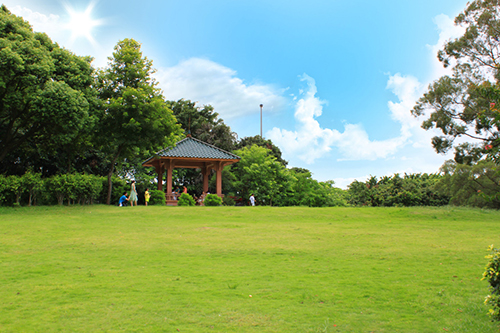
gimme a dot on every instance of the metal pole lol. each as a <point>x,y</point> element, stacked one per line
<point>261,120</point>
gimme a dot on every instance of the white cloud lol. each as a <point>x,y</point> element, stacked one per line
<point>447,31</point>
<point>50,24</point>
<point>207,82</point>
<point>310,141</point>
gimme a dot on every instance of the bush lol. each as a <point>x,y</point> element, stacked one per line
<point>228,201</point>
<point>186,200</point>
<point>492,274</point>
<point>118,186</point>
<point>157,198</point>
<point>212,200</point>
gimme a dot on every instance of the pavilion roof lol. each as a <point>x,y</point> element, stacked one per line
<point>194,148</point>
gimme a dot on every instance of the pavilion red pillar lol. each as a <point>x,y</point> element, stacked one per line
<point>170,167</point>
<point>159,171</point>
<point>218,168</point>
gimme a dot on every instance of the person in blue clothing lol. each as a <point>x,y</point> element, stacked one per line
<point>123,198</point>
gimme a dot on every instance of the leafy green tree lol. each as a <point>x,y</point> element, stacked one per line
<point>460,104</point>
<point>471,185</point>
<point>203,123</point>
<point>14,186</point>
<point>307,191</point>
<point>135,121</point>
<point>410,190</point>
<point>45,92</point>
<point>334,196</point>
<point>260,173</point>
<point>261,142</point>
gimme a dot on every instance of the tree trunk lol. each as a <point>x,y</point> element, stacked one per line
<point>110,174</point>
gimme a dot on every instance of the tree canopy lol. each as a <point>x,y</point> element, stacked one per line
<point>46,95</point>
<point>463,105</point>
<point>135,120</point>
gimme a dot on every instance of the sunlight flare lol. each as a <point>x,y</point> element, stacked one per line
<point>81,23</point>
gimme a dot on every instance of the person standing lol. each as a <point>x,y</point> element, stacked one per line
<point>133,194</point>
<point>146,196</point>
<point>252,200</point>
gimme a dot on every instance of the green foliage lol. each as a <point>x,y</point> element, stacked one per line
<point>75,188</point>
<point>259,173</point>
<point>228,201</point>
<point>32,183</point>
<point>157,198</point>
<point>461,105</point>
<point>135,121</point>
<point>186,200</point>
<point>261,142</point>
<point>492,274</point>
<point>203,123</point>
<point>212,200</point>
<point>411,190</point>
<point>45,96</point>
<point>72,188</point>
<point>306,191</point>
<point>14,186</point>
<point>119,185</point>
<point>476,185</point>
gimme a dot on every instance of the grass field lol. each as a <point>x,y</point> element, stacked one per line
<point>243,269</point>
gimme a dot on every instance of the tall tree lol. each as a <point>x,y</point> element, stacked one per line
<point>460,105</point>
<point>203,123</point>
<point>46,92</point>
<point>260,173</point>
<point>261,142</point>
<point>135,120</point>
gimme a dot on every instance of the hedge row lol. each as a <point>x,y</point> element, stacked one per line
<point>31,189</point>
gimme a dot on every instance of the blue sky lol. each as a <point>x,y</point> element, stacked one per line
<point>337,78</point>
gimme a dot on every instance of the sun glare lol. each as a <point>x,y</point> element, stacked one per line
<point>81,24</point>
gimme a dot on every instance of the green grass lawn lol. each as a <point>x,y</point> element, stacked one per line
<point>244,269</point>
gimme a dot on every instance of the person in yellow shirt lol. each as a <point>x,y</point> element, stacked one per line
<point>147,196</point>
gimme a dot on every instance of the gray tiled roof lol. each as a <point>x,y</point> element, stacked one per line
<point>194,148</point>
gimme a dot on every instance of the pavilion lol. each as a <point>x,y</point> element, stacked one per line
<point>190,153</point>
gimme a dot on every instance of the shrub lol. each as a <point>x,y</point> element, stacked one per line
<point>186,200</point>
<point>3,188</point>
<point>33,184</point>
<point>157,198</point>
<point>228,201</point>
<point>212,200</point>
<point>492,274</point>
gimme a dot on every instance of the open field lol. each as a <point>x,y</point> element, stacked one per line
<point>193,269</point>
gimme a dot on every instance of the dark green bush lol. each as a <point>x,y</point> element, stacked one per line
<point>228,201</point>
<point>186,200</point>
<point>212,200</point>
<point>157,198</point>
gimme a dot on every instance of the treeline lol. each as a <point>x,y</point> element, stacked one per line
<point>473,185</point>
<point>273,184</point>
<point>409,190</point>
